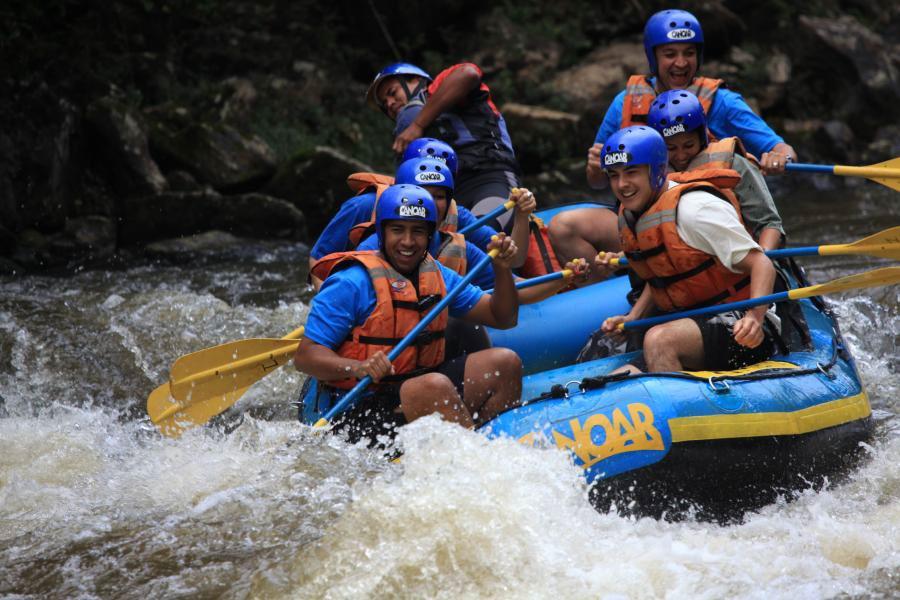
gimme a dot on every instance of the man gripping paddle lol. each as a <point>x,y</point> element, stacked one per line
<point>370,300</point>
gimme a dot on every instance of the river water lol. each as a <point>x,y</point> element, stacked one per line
<point>94,503</point>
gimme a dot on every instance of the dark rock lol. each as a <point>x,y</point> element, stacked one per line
<point>122,135</point>
<point>591,85</point>
<point>216,153</point>
<point>186,213</point>
<point>10,267</point>
<point>542,132</point>
<point>201,243</point>
<point>92,235</point>
<point>885,145</point>
<point>7,241</point>
<point>316,183</point>
<point>182,181</point>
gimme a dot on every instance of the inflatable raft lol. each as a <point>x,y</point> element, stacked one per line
<point>709,442</point>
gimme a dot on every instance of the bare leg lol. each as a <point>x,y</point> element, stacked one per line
<point>433,393</point>
<point>493,382</point>
<point>674,346</point>
<point>583,233</point>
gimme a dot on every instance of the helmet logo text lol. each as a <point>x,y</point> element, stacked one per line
<point>670,131</point>
<point>413,211</point>
<point>430,177</point>
<point>680,34</point>
<point>616,158</point>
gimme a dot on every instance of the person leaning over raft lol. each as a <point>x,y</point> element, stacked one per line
<point>688,242</point>
<point>370,300</point>
<point>673,43</point>
<point>456,107</point>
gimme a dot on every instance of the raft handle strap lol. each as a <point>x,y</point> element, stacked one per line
<point>595,383</point>
<point>719,386</point>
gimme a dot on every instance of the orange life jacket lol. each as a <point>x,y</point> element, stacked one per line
<point>640,94</point>
<point>363,182</point>
<point>361,231</point>
<point>680,276</point>
<point>540,258</point>
<point>452,252</point>
<point>720,155</point>
<point>398,309</point>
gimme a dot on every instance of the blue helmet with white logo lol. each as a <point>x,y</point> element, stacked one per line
<point>425,172</point>
<point>401,70</point>
<point>404,202</point>
<point>678,111</point>
<point>672,27</point>
<point>432,148</point>
<point>634,146</point>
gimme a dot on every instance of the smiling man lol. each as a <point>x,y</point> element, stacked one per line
<point>370,300</point>
<point>688,242</point>
<point>673,43</point>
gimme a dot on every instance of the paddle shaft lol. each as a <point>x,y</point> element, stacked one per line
<point>352,397</point>
<point>876,277</point>
<point>844,170</point>
<point>488,216</point>
<point>527,283</point>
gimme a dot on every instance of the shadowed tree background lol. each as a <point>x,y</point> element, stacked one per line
<point>127,122</point>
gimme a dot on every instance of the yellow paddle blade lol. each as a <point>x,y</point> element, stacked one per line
<point>206,382</point>
<point>874,278</point>
<point>884,244</point>
<point>886,173</point>
<point>173,417</point>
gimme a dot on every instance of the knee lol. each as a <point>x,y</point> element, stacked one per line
<point>506,362</point>
<point>561,226</point>
<point>657,339</point>
<point>430,385</point>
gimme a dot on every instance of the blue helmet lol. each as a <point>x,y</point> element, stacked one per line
<point>678,111</point>
<point>400,70</point>
<point>425,172</point>
<point>432,148</point>
<point>635,146</point>
<point>404,202</point>
<point>671,27</point>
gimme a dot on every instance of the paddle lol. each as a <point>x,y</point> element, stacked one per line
<point>884,244</point>
<point>886,173</point>
<point>352,397</point>
<point>205,383</point>
<point>874,278</point>
<point>487,217</point>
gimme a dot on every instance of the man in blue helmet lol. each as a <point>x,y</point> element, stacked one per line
<point>673,42</point>
<point>337,237</point>
<point>456,107</point>
<point>370,300</point>
<point>688,241</point>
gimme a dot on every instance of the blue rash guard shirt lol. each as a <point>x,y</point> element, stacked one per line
<point>484,279</point>
<point>358,209</point>
<point>347,298</point>
<point>728,116</point>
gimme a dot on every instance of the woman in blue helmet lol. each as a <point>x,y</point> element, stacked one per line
<point>678,116</point>
<point>456,107</point>
<point>673,42</point>
<point>370,300</point>
<point>704,256</point>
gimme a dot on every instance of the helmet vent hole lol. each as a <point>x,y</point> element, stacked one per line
<point>673,24</point>
<point>664,121</point>
<point>621,146</point>
<point>676,101</point>
<point>679,119</point>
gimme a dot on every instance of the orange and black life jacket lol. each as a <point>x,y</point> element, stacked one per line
<point>640,94</point>
<point>680,276</point>
<point>399,306</point>
<point>540,258</point>
<point>452,252</point>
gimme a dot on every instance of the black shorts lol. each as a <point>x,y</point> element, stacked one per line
<point>721,352</point>
<point>378,416</point>
<point>482,191</point>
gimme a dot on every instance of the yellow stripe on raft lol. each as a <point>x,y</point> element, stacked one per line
<point>814,418</point>
<point>761,366</point>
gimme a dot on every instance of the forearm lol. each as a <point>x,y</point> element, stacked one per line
<point>322,362</point>
<point>762,281</point>
<point>596,178</point>
<point>536,293</point>
<point>643,305</point>
<point>504,303</point>
<point>454,90</point>
<point>519,235</point>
